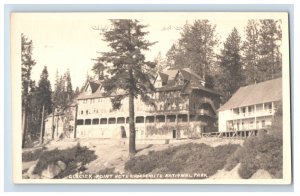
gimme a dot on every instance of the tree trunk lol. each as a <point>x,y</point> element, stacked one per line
<point>42,127</point>
<point>132,149</point>
<point>24,127</point>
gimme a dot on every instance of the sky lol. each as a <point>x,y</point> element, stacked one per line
<point>64,41</point>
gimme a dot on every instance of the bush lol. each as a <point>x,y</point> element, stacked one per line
<point>71,157</point>
<point>32,155</point>
<point>189,158</point>
<point>262,152</point>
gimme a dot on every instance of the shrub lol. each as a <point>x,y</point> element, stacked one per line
<point>262,152</point>
<point>189,158</point>
<point>32,155</point>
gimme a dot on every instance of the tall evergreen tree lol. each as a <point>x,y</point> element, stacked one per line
<point>176,56</point>
<point>27,64</point>
<point>160,62</point>
<point>58,89</point>
<point>69,93</point>
<point>128,70</point>
<point>44,91</point>
<point>99,69</point>
<point>231,77</point>
<point>251,52</point>
<point>63,91</point>
<point>196,49</point>
<point>199,41</point>
<point>269,44</point>
<point>43,101</point>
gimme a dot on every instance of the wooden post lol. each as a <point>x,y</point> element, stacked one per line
<point>53,126</point>
<point>75,123</point>
<point>42,126</point>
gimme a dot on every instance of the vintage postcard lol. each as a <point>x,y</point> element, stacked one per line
<point>156,98</point>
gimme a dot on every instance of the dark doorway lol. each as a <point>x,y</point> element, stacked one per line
<point>174,134</point>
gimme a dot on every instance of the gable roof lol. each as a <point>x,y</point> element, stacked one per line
<point>268,91</point>
<point>191,79</point>
<point>94,86</point>
<point>164,77</point>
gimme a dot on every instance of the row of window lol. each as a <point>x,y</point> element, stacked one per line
<point>250,109</point>
<point>138,119</point>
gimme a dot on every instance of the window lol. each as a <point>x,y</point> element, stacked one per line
<point>171,118</point>
<point>87,112</point>
<point>103,121</point>
<point>182,118</point>
<point>112,121</point>
<point>249,109</point>
<point>139,119</point>
<point>95,121</point>
<point>149,119</point>
<point>120,120</point>
<point>81,112</point>
<point>160,118</point>
<point>79,122</point>
<point>263,123</point>
<point>87,121</point>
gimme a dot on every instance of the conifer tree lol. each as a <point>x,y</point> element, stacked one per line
<point>231,77</point>
<point>251,52</point>
<point>27,63</point>
<point>269,49</point>
<point>127,67</point>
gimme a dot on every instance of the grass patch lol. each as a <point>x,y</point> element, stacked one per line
<point>71,157</point>
<point>189,158</point>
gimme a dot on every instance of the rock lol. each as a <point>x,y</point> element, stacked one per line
<point>261,174</point>
<point>61,165</point>
<point>30,173</point>
<point>51,171</point>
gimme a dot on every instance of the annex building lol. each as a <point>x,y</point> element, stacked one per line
<point>251,107</point>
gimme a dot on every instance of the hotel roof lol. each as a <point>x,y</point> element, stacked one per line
<point>267,91</point>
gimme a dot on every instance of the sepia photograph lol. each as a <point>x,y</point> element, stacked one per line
<point>151,98</point>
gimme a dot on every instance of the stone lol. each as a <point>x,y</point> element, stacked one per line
<point>51,171</point>
<point>261,174</point>
<point>30,173</point>
<point>61,165</point>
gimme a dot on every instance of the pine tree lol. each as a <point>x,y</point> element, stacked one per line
<point>199,41</point>
<point>69,93</point>
<point>269,44</point>
<point>231,77</point>
<point>160,63</point>
<point>195,49</point>
<point>128,70</point>
<point>251,52</point>
<point>63,92</point>
<point>27,64</point>
<point>44,100</point>
<point>176,56</point>
<point>99,69</point>
<point>44,91</point>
